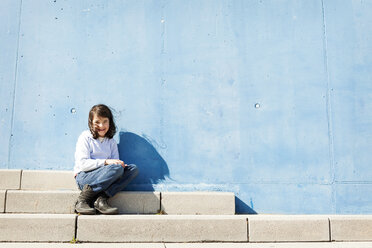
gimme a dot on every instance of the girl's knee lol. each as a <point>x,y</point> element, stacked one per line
<point>134,169</point>
<point>117,167</point>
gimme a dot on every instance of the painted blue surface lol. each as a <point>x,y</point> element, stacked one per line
<point>350,67</point>
<point>9,14</point>
<point>268,99</point>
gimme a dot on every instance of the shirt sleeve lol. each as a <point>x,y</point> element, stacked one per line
<point>82,156</point>
<point>114,150</point>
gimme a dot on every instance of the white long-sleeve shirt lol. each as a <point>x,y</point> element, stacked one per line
<point>91,153</point>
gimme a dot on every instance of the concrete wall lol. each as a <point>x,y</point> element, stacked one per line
<point>269,99</point>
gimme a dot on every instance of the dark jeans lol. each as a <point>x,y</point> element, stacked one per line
<point>110,178</point>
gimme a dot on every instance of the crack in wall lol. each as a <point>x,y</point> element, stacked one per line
<point>329,109</point>
<point>15,86</point>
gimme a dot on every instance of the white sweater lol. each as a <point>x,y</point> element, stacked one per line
<point>91,153</point>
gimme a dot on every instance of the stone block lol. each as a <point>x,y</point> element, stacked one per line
<point>48,180</point>
<point>10,179</point>
<point>63,201</point>
<point>206,203</point>
<point>2,200</point>
<point>351,228</point>
<point>161,228</point>
<point>271,245</point>
<point>37,227</point>
<point>136,202</point>
<point>192,245</point>
<point>53,202</point>
<point>87,245</point>
<point>288,228</point>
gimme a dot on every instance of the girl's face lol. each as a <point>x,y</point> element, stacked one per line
<point>101,125</point>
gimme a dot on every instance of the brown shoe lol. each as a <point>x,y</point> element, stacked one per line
<point>85,198</point>
<point>102,205</point>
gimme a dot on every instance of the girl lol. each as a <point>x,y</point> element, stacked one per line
<point>99,172</point>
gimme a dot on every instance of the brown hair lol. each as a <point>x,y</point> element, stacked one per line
<point>101,110</point>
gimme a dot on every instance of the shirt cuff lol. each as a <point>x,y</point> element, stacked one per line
<point>101,162</point>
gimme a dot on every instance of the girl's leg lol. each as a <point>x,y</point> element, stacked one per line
<point>100,179</point>
<point>130,172</point>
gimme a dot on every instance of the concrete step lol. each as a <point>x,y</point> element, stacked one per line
<point>37,227</point>
<point>162,228</point>
<point>2,201</point>
<point>48,180</point>
<point>351,227</point>
<point>282,228</point>
<point>63,202</point>
<point>52,202</point>
<point>10,179</point>
<point>214,203</point>
<point>185,216</point>
<point>37,180</point>
<point>274,245</point>
<point>121,228</point>
<point>42,191</point>
<point>192,245</point>
<point>183,228</point>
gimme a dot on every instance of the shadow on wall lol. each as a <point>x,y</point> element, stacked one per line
<point>242,208</point>
<point>134,149</point>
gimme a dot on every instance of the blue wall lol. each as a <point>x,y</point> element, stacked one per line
<point>269,99</point>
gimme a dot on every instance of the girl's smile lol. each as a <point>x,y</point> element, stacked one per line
<point>101,125</point>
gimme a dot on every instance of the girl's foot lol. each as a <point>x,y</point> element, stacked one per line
<point>102,205</point>
<point>86,196</point>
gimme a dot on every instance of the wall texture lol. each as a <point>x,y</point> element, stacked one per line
<point>269,99</point>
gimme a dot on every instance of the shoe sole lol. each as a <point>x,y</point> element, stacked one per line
<point>86,213</point>
<point>107,213</point>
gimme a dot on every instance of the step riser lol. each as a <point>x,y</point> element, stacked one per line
<point>136,202</point>
<point>2,201</point>
<point>57,202</point>
<point>181,228</point>
<point>62,202</point>
<point>48,180</point>
<point>161,229</point>
<point>37,180</point>
<point>216,203</point>
<point>36,228</point>
<point>297,228</point>
<point>351,228</point>
<point>41,202</point>
<point>10,179</point>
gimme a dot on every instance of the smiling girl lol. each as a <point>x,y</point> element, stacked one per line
<point>99,172</point>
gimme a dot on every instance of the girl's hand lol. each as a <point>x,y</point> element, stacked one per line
<point>115,161</point>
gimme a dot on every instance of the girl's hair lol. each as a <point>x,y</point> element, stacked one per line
<point>101,110</point>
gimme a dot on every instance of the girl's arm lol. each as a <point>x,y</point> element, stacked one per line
<point>114,150</point>
<point>114,157</point>
<point>82,156</point>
